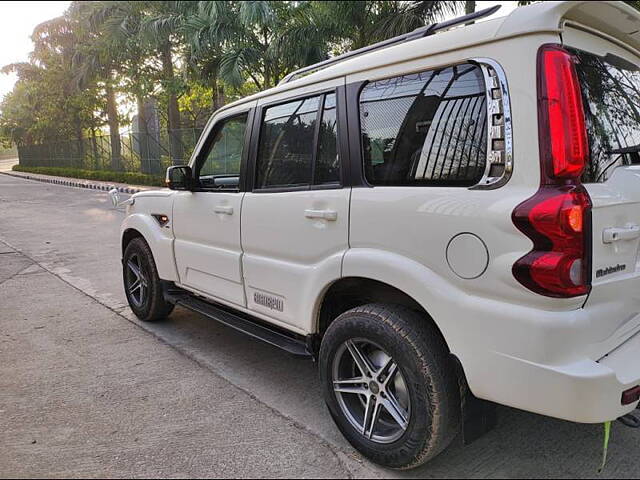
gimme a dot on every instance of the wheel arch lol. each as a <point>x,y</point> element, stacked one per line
<point>160,241</point>
<point>128,235</point>
<point>349,292</point>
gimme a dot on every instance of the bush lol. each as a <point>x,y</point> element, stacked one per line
<point>130,178</point>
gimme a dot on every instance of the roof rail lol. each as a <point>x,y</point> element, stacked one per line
<point>407,37</point>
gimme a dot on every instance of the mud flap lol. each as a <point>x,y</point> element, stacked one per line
<point>478,416</point>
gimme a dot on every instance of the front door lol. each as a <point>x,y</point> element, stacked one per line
<point>295,220</point>
<point>207,220</point>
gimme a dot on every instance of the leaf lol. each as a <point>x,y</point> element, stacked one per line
<point>607,436</point>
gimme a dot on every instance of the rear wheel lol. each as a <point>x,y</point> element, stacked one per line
<point>142,285</point>
<point>390,384</point>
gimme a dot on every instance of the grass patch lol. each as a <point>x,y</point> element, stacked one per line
<point>130,178</point>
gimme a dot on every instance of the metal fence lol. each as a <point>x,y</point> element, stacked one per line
<point>149,153</point>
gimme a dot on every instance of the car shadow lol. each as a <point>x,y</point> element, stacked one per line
<point>522,445</point>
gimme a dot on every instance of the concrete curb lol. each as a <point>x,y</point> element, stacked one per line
<point>88,184</point>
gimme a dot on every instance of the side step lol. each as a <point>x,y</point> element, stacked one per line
<point>291,344</point>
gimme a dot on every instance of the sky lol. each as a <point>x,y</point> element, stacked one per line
<point>18,19</point>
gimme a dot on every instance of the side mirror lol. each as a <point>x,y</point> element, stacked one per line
<point>179,177</point>
<point>115,197</point>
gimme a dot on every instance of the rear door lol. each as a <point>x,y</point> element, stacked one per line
<point>610,81</point>
<point>295,219</point>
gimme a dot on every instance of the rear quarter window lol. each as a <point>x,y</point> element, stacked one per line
<point>425,129</point>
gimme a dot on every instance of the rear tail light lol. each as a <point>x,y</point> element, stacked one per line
<point>557,220</point>
<point>563,135</point>
<point>631,396</point>
<point>558,217</point>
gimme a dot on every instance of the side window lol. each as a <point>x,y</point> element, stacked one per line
<point>427,128</point>
<point>298,144</point>
<point>220,168</point>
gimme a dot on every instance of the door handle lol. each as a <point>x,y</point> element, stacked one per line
<point>614,234</point>
<point>330,215</point>
<point>224,209</point>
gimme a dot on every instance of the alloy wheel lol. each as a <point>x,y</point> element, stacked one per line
<point>371,390</point>
<point>137,283</point>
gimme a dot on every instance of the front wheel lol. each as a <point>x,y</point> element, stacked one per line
<point>390,384</point>
<point>142,285</point>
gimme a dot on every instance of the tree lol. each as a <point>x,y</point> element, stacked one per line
<point>469,7</point>
<point>44,106</point>
<point>161,29</point>
<point>95,63</point>
<point>190,57</point>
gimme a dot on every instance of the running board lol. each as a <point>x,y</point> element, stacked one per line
<point>240,322</point>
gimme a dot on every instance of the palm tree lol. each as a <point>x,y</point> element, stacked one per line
<point>146,32</point>
<point>55,41</point>
<point>264,40</point>
<point>161,29</point>
<point>96,61</point>
<point>469,7</point>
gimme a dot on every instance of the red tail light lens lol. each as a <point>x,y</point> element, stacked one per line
<point>558,221</point>
<point>631,396</point>
<point>561,115</point>
<point>558,217</point>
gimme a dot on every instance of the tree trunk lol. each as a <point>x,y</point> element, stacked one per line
<point>218,99</point>
<point>143,137</point>
<point>222,100</point>
<point>114,128</point>
<point>469,7</point>
<point>80,144</point>
<point>173,112</point>
<point>94,149</point>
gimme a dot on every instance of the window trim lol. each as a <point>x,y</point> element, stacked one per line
<point>487,182</point>
<point>201,156</point>
<point>258,121</point>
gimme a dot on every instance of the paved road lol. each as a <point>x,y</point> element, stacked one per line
<point>7,163</point>
<point>85,393</point>
<point>72,234</point>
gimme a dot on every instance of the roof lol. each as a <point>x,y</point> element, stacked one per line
<point>616,19</point>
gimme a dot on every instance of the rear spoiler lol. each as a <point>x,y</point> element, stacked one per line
<point>614,19</point>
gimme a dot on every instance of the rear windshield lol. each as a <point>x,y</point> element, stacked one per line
<point>611,92</point>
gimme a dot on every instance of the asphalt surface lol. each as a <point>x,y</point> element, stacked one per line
<point>85,393</point>
<point>7,163</point>
<point>189,397</point>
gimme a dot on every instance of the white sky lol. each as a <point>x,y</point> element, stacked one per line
<point>18,19</point>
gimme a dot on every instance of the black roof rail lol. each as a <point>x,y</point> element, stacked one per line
<point>407,37</point>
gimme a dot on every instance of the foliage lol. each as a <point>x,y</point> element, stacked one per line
<point>129,178</point>
<point>43,104</point>
<point>99,63</point>
<point>8,151</point>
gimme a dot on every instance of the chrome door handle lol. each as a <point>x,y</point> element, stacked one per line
<point>330,215</point>
<point>614,234</point>
<point>226,210</point>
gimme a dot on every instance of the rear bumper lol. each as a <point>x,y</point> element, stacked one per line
<point>584,391</point>
<point>573,364</point>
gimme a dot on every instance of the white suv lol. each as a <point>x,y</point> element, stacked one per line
<point>445,220</point>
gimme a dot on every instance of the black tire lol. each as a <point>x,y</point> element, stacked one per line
<point>147,303</point>
<point>427,373</point>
